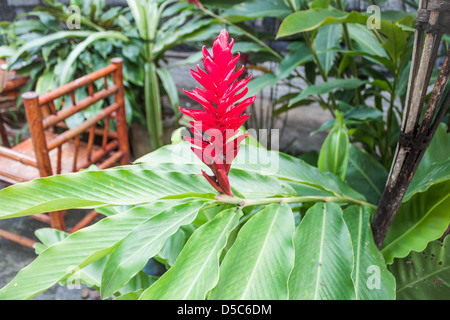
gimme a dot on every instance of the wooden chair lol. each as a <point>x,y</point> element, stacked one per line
<point>55,149</point>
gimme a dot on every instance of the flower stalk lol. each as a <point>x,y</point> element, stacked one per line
<point>265,201</point>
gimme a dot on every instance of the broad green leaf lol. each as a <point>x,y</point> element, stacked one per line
<point>258,264</point>
<point>365,40</point>
<point>365,174</point>
<point>258,160</point>
<point>327,87</point>
<point>422,219</point>
<point>327,37</point>
<point>396,39</point>
<point>434,166</point>
<point>334,154</point>
<point>370,276</point>
<point>80,249</point>
<point>196,270</point>
<point>253,186</point>
<point>424,275</point>
<point>307,20</point>
<point>323,256</point>
<point>126,185</point>
<point>146,240</point>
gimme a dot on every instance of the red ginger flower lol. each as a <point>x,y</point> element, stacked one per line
<point>214,127</point>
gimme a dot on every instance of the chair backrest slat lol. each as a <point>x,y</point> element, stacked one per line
<point>42,115</point>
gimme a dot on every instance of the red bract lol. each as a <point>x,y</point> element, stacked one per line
<point>216,126</point>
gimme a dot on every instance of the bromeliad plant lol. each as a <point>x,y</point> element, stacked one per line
<point>281,229</point>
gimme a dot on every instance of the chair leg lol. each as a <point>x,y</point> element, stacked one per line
<point>24,241</point>
<point>57,220</point>
<point>4,135</point>
<point>85,221</point>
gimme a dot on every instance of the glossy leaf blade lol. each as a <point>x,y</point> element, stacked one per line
<point>323,256</point>
<point>258,264</point>
<point>422,219</point>
<point>126,185</point>
<point>78,250</point>
<point>197,268</point>
<point>146,240</point>
<point>370,276</point>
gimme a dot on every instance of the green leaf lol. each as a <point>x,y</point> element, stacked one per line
<point>307,20</point>
<point>365,41</point>
<point>169,85</point>
<point>365,174</point>
<point>299,53</point>
<point>45,82</point>
<point>127,185</point>
<point>327,37</point>
<point>327,87</point>
<point>424,275</point>
<point>256,160</point>
<point>396,39</point>
<point>80,249</point>
<point>133,252</point>
<point>334,154</point>
<point>370,276</point>
<point>422,219</point>
<point>196,270</point>
<point>434,166</point>
<point>258,264</point>
<point>259,83</point>
<point>173,246</point>
<point>323,256</point>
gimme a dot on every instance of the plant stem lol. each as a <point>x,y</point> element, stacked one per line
<point>322,73</point>
<point>349,46</point>
<point>255,202</point>
<point>153,105</point>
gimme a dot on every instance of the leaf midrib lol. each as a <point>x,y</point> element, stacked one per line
<point>322,238</point>
<point>209,256</point>
<point>260,253</point>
